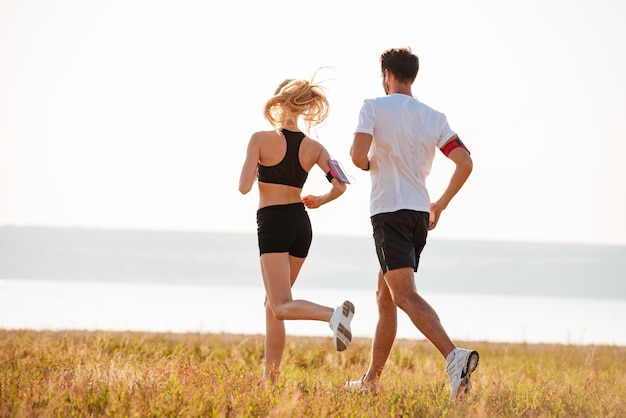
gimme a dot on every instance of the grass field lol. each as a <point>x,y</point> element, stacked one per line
<point>85,374</point>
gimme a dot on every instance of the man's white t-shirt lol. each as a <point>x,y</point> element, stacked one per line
<point>406,133</point>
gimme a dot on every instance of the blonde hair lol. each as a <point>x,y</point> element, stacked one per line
<point>298,99</point>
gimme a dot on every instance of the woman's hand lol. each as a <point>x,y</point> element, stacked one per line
<point>312,202</point>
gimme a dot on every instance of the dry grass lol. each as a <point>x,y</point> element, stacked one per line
<point>65,374</point>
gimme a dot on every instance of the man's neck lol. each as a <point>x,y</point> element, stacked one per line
<point>401,88</point>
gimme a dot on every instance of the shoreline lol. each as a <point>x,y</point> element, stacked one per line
<point>232,338</point>
<point>41,305</point>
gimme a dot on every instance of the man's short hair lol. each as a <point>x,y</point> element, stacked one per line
<point>401,62</point>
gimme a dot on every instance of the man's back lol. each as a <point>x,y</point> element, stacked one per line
<point>406,134</point>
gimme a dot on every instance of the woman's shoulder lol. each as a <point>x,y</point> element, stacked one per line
<point>312,147</point>
<point>264,135</point>
<point>267,133</point>
<point>314,143</point>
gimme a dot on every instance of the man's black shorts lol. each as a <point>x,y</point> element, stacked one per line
<point>400,238</point>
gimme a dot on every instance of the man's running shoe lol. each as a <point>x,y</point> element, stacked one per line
<point>356,385</point>
<point>460,369</point>
<point>340,324</point>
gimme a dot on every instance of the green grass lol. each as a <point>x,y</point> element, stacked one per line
<point>84,374</point>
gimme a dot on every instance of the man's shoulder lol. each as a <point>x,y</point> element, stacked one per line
<point>427,109</point>
<point>406,102</point>
<point>385,101</point>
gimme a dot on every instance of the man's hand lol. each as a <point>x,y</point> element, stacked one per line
<point>435,212</point>
<point>463,167</point>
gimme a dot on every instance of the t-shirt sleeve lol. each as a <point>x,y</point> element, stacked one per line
<point>446,131</point>
<point>366,118</point>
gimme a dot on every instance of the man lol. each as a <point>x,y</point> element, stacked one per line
<point>396,140</point>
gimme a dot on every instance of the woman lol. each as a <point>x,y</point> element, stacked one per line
<point>281,159</point>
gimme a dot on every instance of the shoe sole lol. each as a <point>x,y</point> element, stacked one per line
<point>348,310</point>
<point>348,313</point>
<point>472,363</point>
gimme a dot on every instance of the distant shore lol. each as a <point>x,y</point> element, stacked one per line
<point>214,258</point>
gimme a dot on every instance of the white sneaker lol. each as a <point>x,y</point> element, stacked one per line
<point>340,324</point>
<point>460,369</point>
<point>355,385</point>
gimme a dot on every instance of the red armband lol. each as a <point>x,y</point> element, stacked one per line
<point>454,143</point>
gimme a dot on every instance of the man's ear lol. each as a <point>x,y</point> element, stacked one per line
<point>389,76</point>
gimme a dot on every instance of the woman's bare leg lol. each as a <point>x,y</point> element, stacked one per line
<point>280,272</point>
<point>277,277</point>
<point>274,343</point>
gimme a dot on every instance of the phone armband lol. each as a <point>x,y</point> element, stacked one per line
<point>336,172</point>
<point>452,144</point>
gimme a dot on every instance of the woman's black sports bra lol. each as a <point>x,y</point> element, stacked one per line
<point>289,171</point>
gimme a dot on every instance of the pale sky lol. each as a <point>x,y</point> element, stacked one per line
<point>136,113</point>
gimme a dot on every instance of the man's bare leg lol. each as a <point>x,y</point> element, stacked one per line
<point>385,333</point>
<point>401,284</point>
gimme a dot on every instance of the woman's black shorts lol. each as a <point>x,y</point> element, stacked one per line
<point>284,228</point>
<point>400,238</point>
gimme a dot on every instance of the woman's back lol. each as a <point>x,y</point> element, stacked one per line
<point>285,159</point>
<point>281,159</point>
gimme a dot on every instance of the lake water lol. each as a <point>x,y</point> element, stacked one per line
<point>209,282</point>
